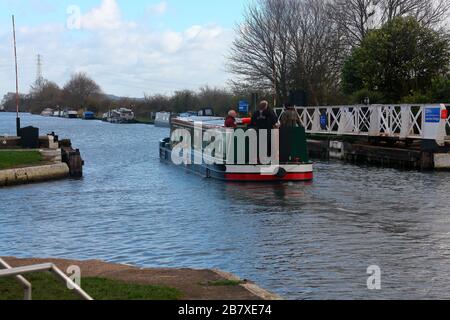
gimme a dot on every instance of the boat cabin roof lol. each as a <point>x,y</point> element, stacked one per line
<point>207,122</point>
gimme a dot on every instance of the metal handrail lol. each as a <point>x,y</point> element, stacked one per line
<point>24,282</point>
<point>19,271</point>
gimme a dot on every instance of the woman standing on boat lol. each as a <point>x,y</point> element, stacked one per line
<point>290,117</point>
<point>291,127</point>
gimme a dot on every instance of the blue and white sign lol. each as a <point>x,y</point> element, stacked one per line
<point>243,106</point>
<point>432,115</point>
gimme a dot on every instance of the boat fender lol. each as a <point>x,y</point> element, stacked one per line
<point>281,173</point>
<point>247,121</point>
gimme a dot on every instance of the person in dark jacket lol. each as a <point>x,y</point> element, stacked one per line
<point>290,117</point>
<point>265,118</point>
<point>230,121</point>
<point>289,121</point>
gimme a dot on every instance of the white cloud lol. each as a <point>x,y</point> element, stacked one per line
<point>158,9</point>
<point>123,57</point>
<point>107,16</point>
<point>171,41</point>
<point>193,32</point>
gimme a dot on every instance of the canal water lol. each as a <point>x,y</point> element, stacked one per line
<point>301,240</point>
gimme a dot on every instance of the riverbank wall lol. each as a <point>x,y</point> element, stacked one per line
<point>419,155</point>
<point>12,177</point>
<point>59,161</point>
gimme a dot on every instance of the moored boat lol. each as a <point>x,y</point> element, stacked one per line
<point>47,112</point>
<point>89,115</point>
<point>70,114</point>
<point>57,113</point>
<point>162,119</point>
<point>291,159</point>
<point>121,115</point>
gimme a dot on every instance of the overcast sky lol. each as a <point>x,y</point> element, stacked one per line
<point>128,47</point>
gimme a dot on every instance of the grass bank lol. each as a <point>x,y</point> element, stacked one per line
<point>144,120</point>
<point>14,159</point>
<point>47,287</point>
<point>128,282</point>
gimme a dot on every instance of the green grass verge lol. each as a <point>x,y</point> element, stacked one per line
<point>47,287</point>
<point>144,119</point>
<point>12,159</point>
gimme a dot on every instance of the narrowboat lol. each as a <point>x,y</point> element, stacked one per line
<point>89,115</point>
<point>162,119</point>
<point>70,114</point>
<point>292,162</point>
<point>121,116</point>
<point>188,114</point>
<point>47,112</point>
<point>58,114</point>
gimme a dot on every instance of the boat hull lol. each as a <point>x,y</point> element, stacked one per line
<point>162,124</point>
<point>254,177</point>
<point>245,173</point>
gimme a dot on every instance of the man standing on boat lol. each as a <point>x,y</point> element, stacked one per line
<point>265,118</point>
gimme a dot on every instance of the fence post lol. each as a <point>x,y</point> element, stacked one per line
<point>316,121</point>
<point>375,115</point>
<point>406,121</point>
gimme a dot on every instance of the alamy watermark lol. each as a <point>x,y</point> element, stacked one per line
<point>4,140</point>
<point>74,17</point>
<point>374,280</point>
<point>74,274</point>
<point>225,146</point>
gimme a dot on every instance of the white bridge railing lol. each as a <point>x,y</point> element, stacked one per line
<point>448,122</point>
<point>397,121</point>
<point>7,271</point>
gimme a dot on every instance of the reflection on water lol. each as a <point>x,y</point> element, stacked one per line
<point>301,240</point>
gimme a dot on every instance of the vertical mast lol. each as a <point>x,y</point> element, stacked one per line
<point>17,78</point>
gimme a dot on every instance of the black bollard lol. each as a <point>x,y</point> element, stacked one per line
<point>18,126</point>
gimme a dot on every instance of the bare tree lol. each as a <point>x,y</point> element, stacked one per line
<point>184,100</point>
<point>287,45</point>
<point>157,102</point>
<point>220,100</point>
<point>429,12</point>
<point>79,90</point>
<point>260,53</point>
<point>317,50</point>
<point>357,17</point>
<point>44,94</point>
